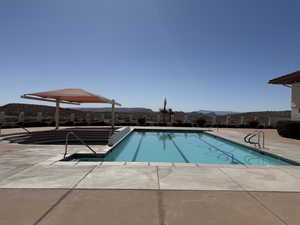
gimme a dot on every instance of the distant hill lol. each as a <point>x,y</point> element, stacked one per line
<point>283,114</point>
<point>32,109</point>
<point>214,113</point>
<point>13,109</point>
<point>118,109</point>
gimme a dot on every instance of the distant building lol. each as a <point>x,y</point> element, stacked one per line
<point>291,80</point>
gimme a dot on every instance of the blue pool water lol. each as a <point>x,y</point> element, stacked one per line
<point>186,147</point>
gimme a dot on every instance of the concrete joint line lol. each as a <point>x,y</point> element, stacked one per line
<point>53,206</point>
<point>84,176</point>
<point>62,197</point>
<point>256,199</point>
<point>158,182</point>
<point>234,181</point>
<point>266,208</point>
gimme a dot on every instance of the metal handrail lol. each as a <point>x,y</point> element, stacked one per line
<point>261,133</point>
<point>28,131</point>
<point>19,125</point>
<point>248,138</point>
<point>78,138</point>
<point>253,142</point>
<point>258,134</point>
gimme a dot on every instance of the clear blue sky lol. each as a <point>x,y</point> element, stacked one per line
<point>199,54</point>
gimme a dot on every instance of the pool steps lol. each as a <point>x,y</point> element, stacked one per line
<point>118,136</point>
<point>59,136</point>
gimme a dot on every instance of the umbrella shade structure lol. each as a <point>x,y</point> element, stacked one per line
<point>71,96</point>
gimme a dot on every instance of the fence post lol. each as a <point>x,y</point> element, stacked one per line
<point>242,120</point>
<point>88,118</point>
<point>269,122</point>
<point>172,118</point>
<point>21,117</point>
<point>2,117</point>
<point>214,121</point>
<point>72,117</point>
<point>227,120</point>
<point>130,118</point>
<point>39,117</point>
<point>185,118</point>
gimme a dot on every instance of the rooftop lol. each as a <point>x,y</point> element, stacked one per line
<point>287,79</point>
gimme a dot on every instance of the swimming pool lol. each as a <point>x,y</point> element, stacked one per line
<point>184,147</point>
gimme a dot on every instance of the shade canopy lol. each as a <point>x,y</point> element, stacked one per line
<point>71,96</point>
<point>75,95</point>
<point>287,79</point>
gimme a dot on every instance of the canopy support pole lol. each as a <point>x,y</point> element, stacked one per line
<point>57,115</point>
<point>113,115</point>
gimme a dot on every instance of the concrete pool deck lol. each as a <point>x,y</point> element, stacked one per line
<point>38,166</point>
<point>127,176</point>
<point>36,188</point>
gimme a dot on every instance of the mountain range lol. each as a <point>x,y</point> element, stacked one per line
<point>118,109</point>
<point>216,113</point>
<point>147,110</point>
<point>31,110</point>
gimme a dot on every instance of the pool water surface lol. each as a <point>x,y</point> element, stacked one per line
<point>185,147</point>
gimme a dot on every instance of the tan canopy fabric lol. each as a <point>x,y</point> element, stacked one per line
<point>71,96</point>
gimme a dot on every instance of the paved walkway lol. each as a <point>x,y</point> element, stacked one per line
<point>138,207</point>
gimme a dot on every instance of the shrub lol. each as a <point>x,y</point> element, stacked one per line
<point>177,124</point>
<point>99,123</point>
<point>253,124</point>
<point>68,123</point>
<point>32,124</point>
<point>162,124</point>
<point>82,123</point>
<point>289,129</point>
<point>200,122</point>
<point>142,121</point>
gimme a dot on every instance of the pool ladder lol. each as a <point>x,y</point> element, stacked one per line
<point>260,141</point>
<point>78,138</point>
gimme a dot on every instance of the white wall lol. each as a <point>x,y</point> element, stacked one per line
<point>296,101</point>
